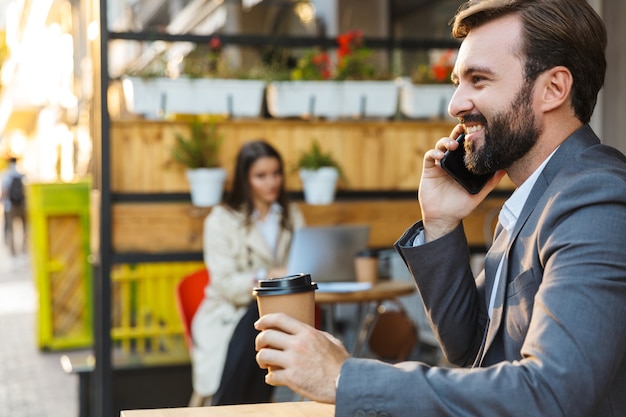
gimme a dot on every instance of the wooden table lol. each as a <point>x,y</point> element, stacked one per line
<point>288,409</point>
<point>371,299</point>
<point>381,291</point>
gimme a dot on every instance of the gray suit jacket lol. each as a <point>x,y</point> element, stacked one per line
<point>556,342</point>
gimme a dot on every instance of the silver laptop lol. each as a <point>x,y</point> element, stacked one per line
<point>327,252</point>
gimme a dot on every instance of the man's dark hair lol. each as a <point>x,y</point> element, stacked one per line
<point>565,33</point>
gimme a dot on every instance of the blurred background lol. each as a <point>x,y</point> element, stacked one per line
<point>93,95</point>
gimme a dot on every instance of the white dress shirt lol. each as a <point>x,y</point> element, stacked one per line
<point>269,228</point>
<point>509,214</point>
<point>507,218</point>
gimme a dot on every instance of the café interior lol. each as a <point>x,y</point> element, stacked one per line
<point>94,95</point>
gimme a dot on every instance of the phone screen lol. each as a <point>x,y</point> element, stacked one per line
<point>453,163</point>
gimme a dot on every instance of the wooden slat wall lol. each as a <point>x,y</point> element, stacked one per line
<point>157,227</point>
<point>375,155</point>
<point>172,227</point>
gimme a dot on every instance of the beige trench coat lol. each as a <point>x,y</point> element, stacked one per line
<point>233,254</point>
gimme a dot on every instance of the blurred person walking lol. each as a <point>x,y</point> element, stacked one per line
<point>14,205</point>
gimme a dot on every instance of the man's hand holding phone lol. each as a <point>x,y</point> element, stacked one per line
<point>453,162</point>
<point>443,200</point>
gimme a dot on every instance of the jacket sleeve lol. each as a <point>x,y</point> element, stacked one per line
<point>572,283</point>
<point>449,292</point>
<point>222,246</point>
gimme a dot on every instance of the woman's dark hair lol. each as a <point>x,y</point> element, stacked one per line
<point>240,198</point>
<point>565,33</point>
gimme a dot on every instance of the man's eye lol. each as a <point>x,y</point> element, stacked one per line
<point>477,79</point>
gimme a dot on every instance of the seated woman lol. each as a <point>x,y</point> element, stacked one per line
<point>245,239</point>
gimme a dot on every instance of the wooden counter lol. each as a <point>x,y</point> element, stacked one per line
<point>381,291</point>
<point>290,409</point>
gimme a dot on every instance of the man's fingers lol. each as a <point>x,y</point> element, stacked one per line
<point>271,338</point>
<point>279,321</point>
<point>269,357</point>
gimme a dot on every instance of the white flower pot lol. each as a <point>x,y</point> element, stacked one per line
<point>236,98</point>
<point>363,99</point>
<point>144,95</point>
<point>332,99</point>
<point>319,185</point>
<point>303,99</point>
<point>425,101</point>
<point>206,185</point>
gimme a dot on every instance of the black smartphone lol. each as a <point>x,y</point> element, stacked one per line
<point>453,163</point>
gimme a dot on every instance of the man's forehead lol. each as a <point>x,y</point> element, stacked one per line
<point>495,42</point>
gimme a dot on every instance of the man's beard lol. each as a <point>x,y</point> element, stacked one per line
<point>508,137</point>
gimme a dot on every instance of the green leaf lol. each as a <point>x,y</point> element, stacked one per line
<point>315,158</point>
<point>201,148</point>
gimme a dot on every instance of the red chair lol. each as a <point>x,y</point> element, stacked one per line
<point>189,295</point>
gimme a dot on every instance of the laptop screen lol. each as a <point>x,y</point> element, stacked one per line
<point>327,253</point>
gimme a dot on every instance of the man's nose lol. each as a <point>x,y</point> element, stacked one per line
<point>460,103</point>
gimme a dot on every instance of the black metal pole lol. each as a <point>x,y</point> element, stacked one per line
<point>284,41</point>
<point>103,375</point>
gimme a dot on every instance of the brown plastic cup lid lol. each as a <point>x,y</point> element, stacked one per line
<point>290,284</point>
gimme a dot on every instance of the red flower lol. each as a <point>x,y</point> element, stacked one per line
<point>322,62</point>
<point>352,57</point>
<point>443,67</point>
<point>348,42</point>
<point>352,62</point>
<point>442,72</point>
<point>215,43</point>
<point>313,65</point>
<point>321,58</point>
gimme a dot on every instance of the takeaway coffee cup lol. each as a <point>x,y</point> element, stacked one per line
<point>293,295</point>
<point>366,266</point>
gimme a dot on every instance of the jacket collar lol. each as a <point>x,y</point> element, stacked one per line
<point>574,144</point>
<point>257,244</point>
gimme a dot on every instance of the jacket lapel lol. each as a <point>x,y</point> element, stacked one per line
<point>256,244</point>
<point>582,138</point>
<point>283,246</point>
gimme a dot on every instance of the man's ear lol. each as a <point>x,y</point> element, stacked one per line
<point>556,88</point>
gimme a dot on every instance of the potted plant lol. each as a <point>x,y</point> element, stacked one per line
<point>145,90</point>
<point>199,152</point>
<point>351,89</point>
<point>364,93</point>
<point>426,94</point>
<point>203,83</point>
<point>213,87</point>
<point>309,91</point>
<point>319,172</point>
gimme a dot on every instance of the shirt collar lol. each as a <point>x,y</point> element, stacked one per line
<point>512,207</point>
<point>275,209</point>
